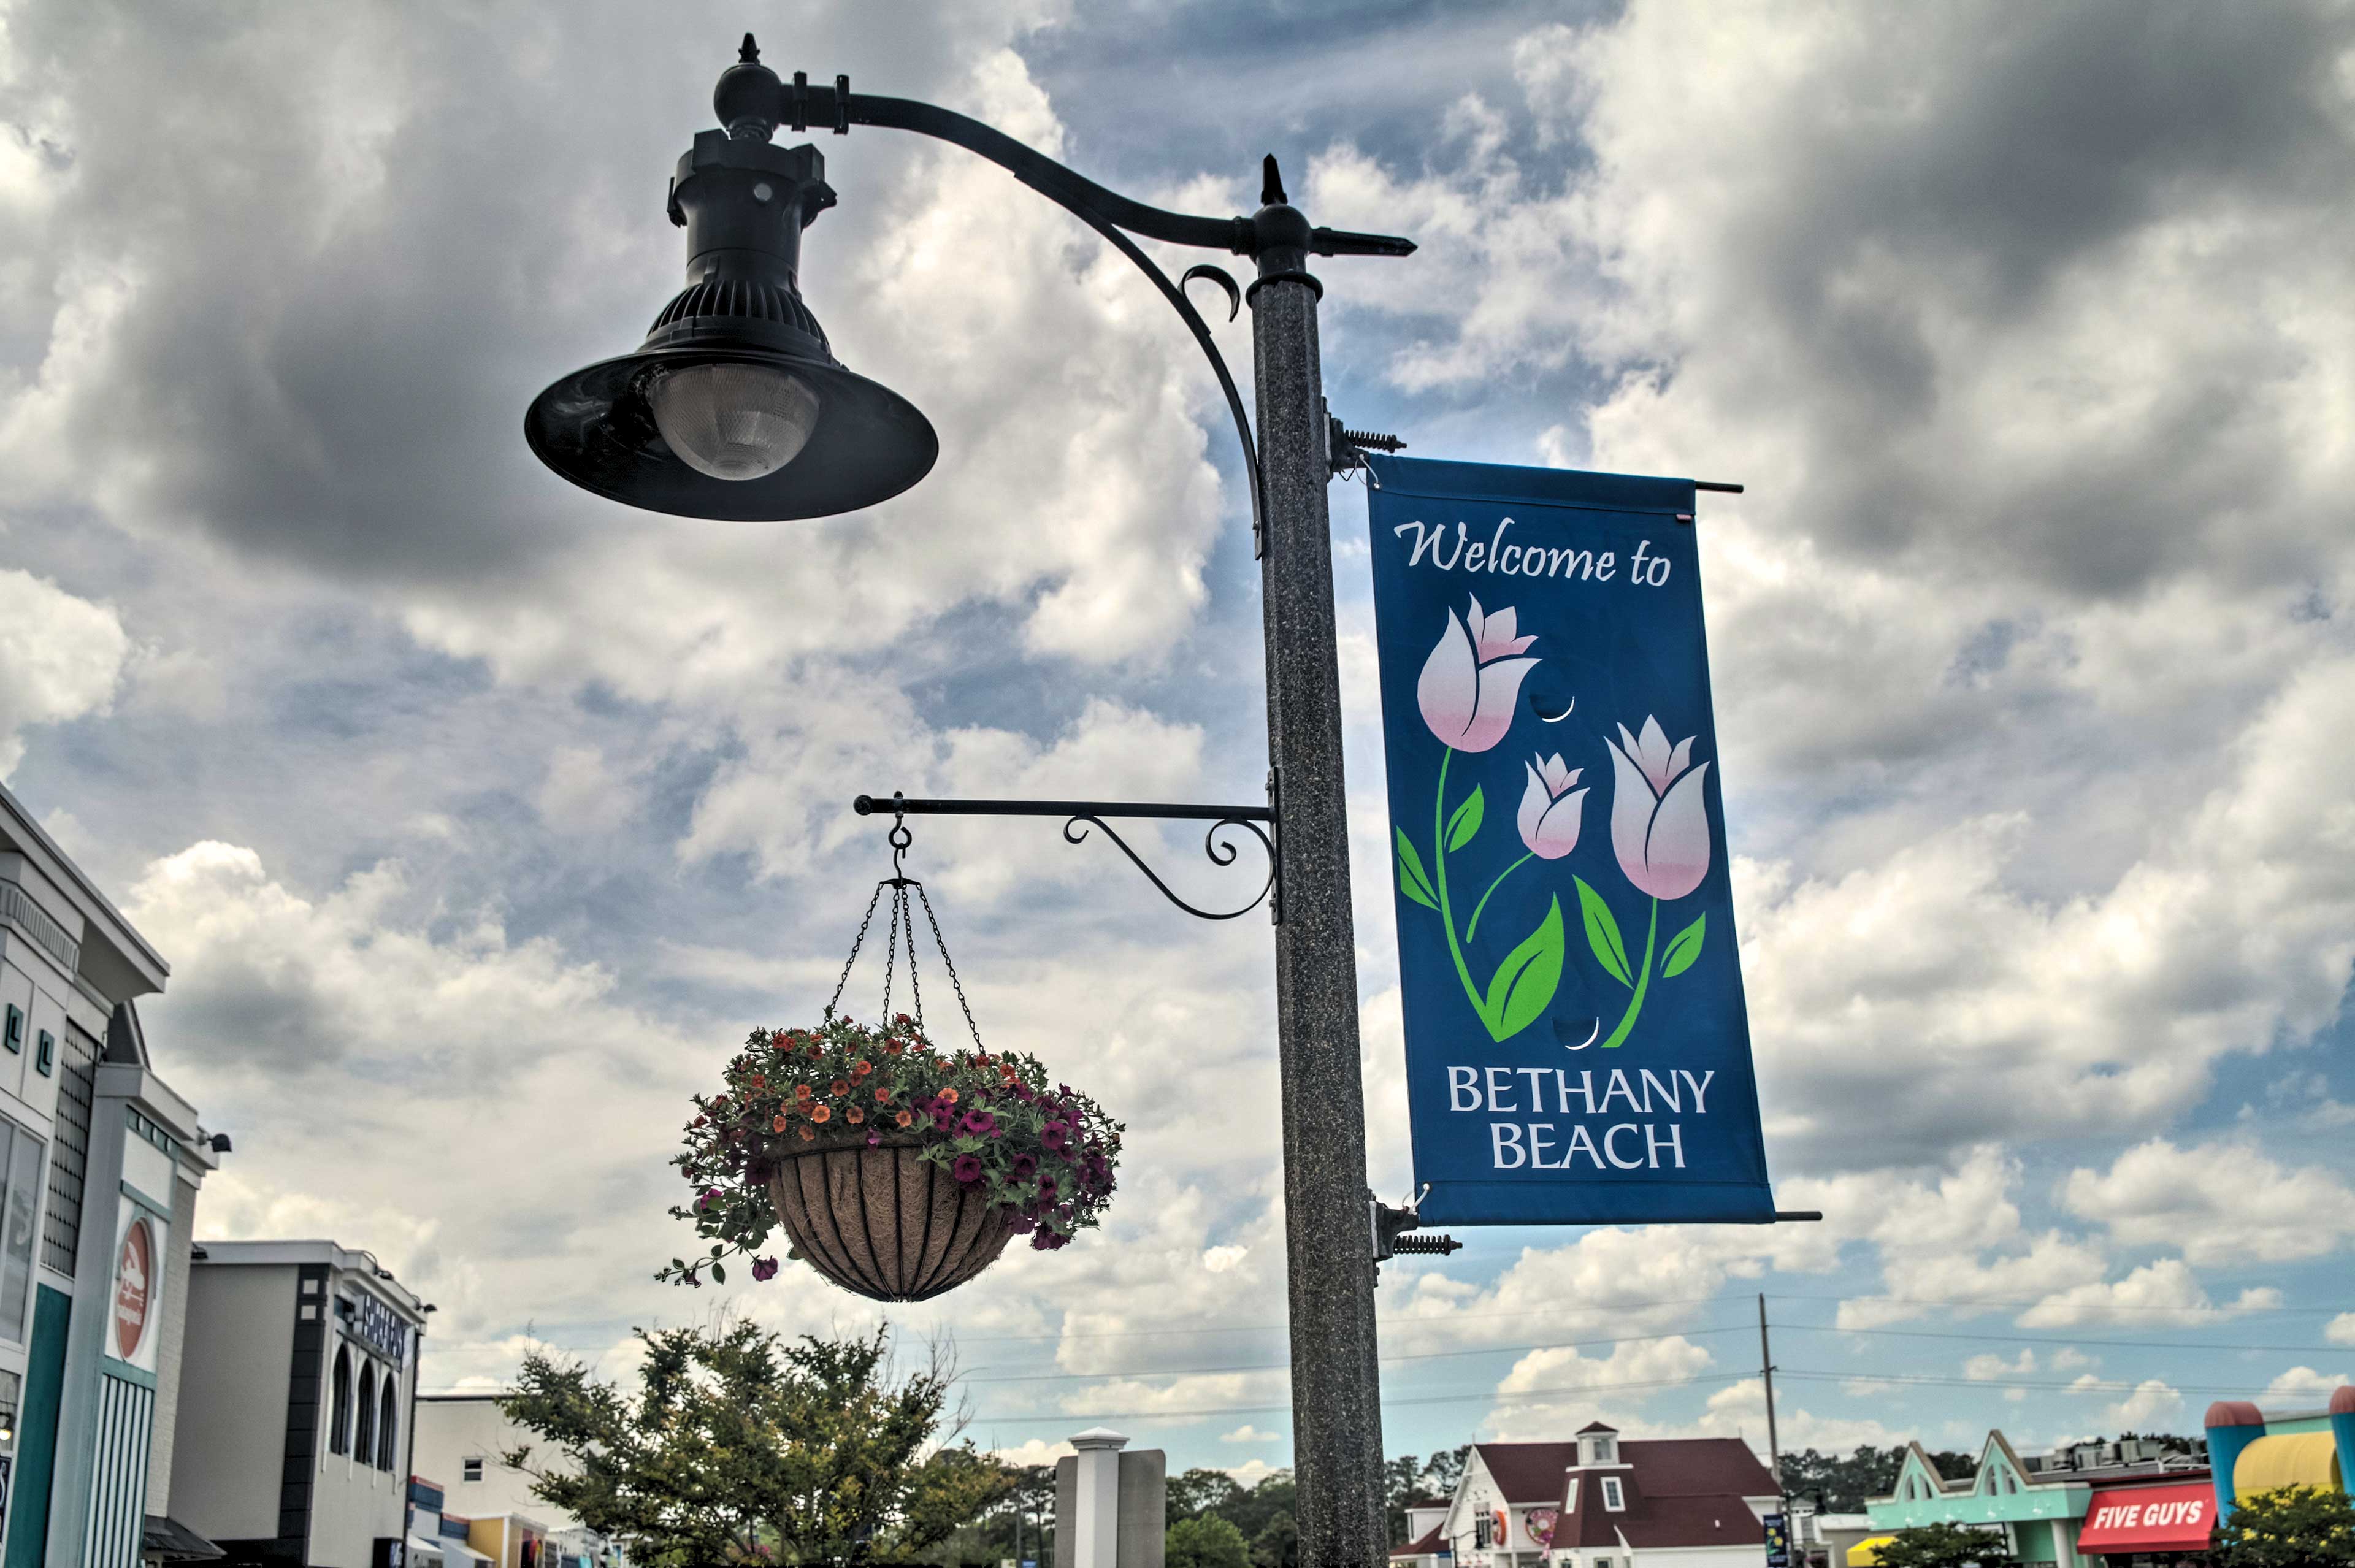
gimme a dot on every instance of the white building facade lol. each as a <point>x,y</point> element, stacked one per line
<point>99,1166</point>
<point>299,1388</point>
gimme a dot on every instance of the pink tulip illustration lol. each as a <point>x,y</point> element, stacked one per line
<point>1550,808</point>
<point>1659,830</point>
<point>1472,679</point>
<point>1658,826</point>
<point>1468,692</point>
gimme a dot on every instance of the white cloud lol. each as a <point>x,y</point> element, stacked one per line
<point>1989,1367</point>
<point>2341,1331</point>
<point>2152,1405</point>
<point>2300,1381</point>
<point>2215,1203</point>
<point>60,658</point>
<point>2165,1292</point>
<point>1247,1433</point>
<point>582,793</point>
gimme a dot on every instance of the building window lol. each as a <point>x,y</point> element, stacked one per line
<point>1607,1450</point>
<point>15,1035</point>
<point>62,1231</point>
<point>471,1470</point>
<point>387,1420</point>
<point>20,1211</point>
<point>1570,1501</point>
<point>1613,1497</point>
<point>364,1429</point>
<point>48,1059</point>
<point>339,1409</point>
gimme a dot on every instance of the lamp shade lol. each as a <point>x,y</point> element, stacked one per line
<point>734,406</point>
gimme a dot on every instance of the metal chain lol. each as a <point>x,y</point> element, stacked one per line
<point>856,943</point>
<point>950,965</point>
<point>908,923</point>
<point>890,946</point>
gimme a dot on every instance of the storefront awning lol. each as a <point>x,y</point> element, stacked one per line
<point>2149,1518</point>
<point>2290,1459</point>
<point>1867,1552</point>
<point>424,1553</point>
<point>456,1554</point>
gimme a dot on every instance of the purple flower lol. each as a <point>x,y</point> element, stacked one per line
<point>710,1196</point>
<point>1471,681</point>
<point>1024,1165</point>
<point>1658,825</point>
<point>980,1124</point>
<point>1550,808</point>
<point>873,1139</point>
<point>1022,1224</point>
<point>764,1268</point>
<point>1046,1187</point>
<point>967,1169</point>
<point>1056,1136</point>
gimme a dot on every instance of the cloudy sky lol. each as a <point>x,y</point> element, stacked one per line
<point>480,817</point>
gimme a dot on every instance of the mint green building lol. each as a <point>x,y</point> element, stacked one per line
<point>2036,1505</point>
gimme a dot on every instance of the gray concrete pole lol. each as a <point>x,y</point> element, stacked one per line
<point>1337,1418</point>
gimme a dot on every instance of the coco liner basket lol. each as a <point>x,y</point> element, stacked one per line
<point>899,1172</point>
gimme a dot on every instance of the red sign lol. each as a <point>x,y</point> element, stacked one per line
<point>2149,1518</point>
<point>133,1271</point>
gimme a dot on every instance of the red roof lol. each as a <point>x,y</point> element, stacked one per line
<point>1530,1473</point>
<point>1676,1491</point>
<point>1596,1426</point>
<point>1423,1545</point>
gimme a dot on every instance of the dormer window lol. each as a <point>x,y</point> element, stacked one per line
<point>1615,1497</point>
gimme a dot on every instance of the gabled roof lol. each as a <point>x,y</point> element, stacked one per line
<point>1529,1472</point>
<point>1423,1545</point>
<point>1597,1426</point>
<point>1686,1491</point>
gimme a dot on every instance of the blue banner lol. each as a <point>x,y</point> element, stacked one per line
<point>1577,1047</point>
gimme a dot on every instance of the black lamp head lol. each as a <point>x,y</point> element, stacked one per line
<point>734,406</point>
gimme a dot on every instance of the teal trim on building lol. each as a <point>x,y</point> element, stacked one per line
<point>37,1430</point>
<point>2032,1503</point>
<point>161,1210</point>
<point>127,1372</point>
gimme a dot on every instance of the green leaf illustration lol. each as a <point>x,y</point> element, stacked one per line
<point>1683,948</point>
<point>1467,821</point>
<point>1411,880</point>
<point>1524,984</point>
<point>1603,933</point>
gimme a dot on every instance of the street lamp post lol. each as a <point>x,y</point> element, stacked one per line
<point>735,407</point>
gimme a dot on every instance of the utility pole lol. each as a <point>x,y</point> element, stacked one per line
<point>1337,1417</point>
<point>1767,1365</point>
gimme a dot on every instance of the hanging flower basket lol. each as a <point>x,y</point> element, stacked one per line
<point>898,1170</point>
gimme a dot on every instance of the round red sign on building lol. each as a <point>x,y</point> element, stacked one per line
<point>133,1271</point>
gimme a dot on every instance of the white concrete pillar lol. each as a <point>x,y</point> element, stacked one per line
<point>1096,1514</point>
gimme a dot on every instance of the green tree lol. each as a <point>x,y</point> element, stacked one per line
<point>1205,1541</point>
<point>1200,1491</point>
<point>1847,1480</point>
<point>2296,1526</point>
<point>736,1445</point>
<point>1945,1546</point>
<point>1277,1544</point>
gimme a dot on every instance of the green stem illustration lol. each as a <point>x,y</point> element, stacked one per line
<point>1474,929</point>
<point>1643,983</point>
<point>1439,879</point>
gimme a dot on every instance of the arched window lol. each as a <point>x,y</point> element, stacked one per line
<point>387,1425</point>
<point>364,1429</point>
<point>339,1407</point>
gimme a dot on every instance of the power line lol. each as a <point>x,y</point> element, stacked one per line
<point>2048,1339</point>
<point>1283,1366</point>
<point>2210,1312</point>
<point>1531,1396</point>
<point>2087,1384</point>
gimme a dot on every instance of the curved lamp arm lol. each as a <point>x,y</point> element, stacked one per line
<point>752,96</point>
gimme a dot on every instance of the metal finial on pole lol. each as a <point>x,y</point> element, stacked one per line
<point>751,53</point>
<point>1271,183</point>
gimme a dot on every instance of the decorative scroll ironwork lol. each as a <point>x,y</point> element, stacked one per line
<point>1219,851</point>
<point>1081,816</point>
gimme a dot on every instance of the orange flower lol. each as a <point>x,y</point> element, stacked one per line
<point>839,1088</point>
<point>882,1096</point>
<point>892,1048</point>
<point>854,1115</point>
<point>821,1114</point>
<point>861,1068</point>
<point>809,1132</point>
<point>949,1096</point>
<point>801,1091</point>
<point>907,1118</point>
<point>778,1125</point>
<point>759,1082</point>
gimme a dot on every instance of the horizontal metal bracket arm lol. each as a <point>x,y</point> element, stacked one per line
<point>1080,816</point>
